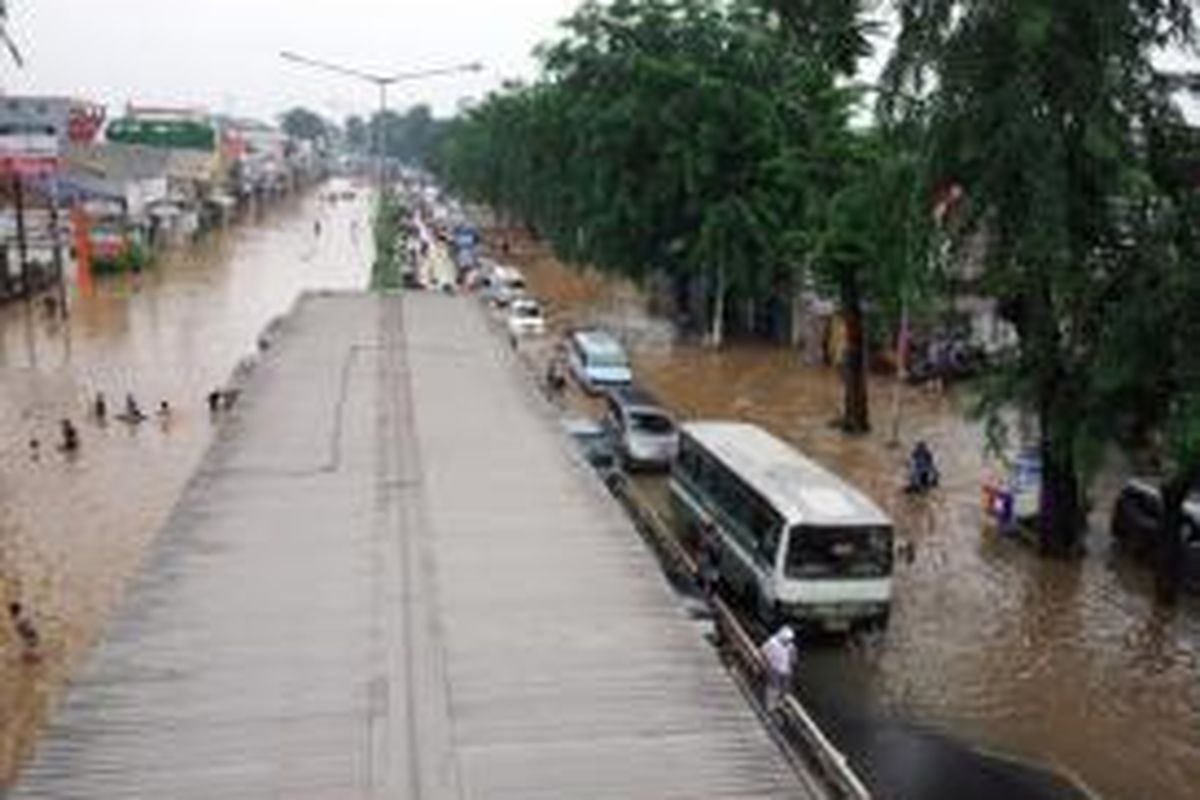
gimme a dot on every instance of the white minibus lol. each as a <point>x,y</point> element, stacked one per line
<point>795,539</point>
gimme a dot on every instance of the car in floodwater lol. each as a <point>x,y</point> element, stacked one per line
<point>504,285</point>
<point>796,541</point>
<point>644,434</point>
<point>597,360</point>
<point>1136,524</point>
<point>525,318</point>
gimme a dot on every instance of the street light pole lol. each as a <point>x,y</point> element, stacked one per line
<point>382,82</point>
<point>381,140</point>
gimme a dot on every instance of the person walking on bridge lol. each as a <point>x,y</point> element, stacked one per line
<point>779,653</point>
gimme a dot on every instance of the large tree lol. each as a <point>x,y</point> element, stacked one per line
<point>356,134</point>
<point>707,141</point>
<point>1147,387</point>
<point>409,137</point>
<point>302,123</point>
<point>1037,109</point>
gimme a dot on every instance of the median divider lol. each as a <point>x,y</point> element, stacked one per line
<point>794,722</point>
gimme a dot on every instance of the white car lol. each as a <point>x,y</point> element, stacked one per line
<point>525,318</point>
<point>505,285</point>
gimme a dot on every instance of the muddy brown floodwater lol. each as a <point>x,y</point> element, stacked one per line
<point>1067,665</point>
<point>73,528</point>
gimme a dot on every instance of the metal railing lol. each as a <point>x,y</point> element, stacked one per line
<point>798,726</point>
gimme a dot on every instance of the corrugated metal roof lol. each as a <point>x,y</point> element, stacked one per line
<point>390,579</point>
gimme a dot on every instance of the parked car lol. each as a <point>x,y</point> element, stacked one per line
<point>597,360</point>
<point>1136,518</point>
<point>525,318</point>
<point>644,435</point>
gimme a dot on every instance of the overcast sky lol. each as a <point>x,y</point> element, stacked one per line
<point>223,55</point>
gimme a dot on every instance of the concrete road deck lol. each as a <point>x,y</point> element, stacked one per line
<point>393,579</point>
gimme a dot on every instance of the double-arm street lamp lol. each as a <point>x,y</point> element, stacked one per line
<point>382,82</point>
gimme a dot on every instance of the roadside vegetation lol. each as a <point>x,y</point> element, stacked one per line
<point>390,231</point>
<point>728,149</point>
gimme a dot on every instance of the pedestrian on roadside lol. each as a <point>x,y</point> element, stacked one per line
<point>709,561</point>
<point>164,409</point>
<point>556,383</point>
<point>779,653</point>
<point>70,437</point>
<point>100,407</point>
<point>27,632</point>
<point>317,228</point>
<point>214,401</point>
<point>35,448</point>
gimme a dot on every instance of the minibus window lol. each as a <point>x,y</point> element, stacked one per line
<point>839,552</point>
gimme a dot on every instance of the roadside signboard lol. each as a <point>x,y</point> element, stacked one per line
<point>28,154</point>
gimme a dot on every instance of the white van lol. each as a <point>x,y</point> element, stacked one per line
<point>597,361</point>
<point>794,538</point>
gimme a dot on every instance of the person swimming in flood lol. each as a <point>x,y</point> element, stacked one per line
<point>26,631</point>
<point>70,437</point>
<point>133,412</point>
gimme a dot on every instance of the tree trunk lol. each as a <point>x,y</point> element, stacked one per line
<point>856,411</point>
<point>717,332</point>
<point>1060,516</point>
<point>797,319</point>
<point>1168,554</point>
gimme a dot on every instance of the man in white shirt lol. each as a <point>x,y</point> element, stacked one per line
<point>779,652</point>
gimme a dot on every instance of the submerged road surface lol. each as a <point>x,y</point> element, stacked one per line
<point>392,579</point>
<point>74,527</point>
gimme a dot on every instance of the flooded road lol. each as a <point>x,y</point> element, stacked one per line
<point>73,528</point>
<point>1063,664</point>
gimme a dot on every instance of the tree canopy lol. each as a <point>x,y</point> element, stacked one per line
<point>304,124</point>
<point>409,137</point>
<point>721,144</point>
<point>706,141</point>
<point>1038,110</point>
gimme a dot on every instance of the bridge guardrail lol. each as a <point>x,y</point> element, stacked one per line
<point>799,726</point>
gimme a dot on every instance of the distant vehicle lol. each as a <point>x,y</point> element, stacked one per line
<point>1136,519</point>
<point>525,318</point>
<point>644,435</point>
<point>795,539</point>
<point>947,357</point>
<point>597,360</point>
<point>504,285</point>
<point>593,442</point>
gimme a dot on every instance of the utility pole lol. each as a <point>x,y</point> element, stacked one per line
<point>56,239</point>
<point>382,82</point>
<point>22,248</point>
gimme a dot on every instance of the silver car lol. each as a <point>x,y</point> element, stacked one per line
<point>644,435</point>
